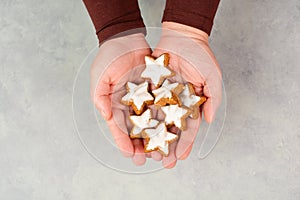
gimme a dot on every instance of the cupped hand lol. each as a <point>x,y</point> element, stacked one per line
<point>192,58</point>
<point>111,69</point>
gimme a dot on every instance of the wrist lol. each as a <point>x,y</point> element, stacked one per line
<point>187,31</point>
<point>129,42</point>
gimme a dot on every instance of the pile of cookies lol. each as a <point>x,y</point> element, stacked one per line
<point>177,101</point>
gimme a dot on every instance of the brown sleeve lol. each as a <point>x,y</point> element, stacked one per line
<point>111,17</point>
<point>196,13</point>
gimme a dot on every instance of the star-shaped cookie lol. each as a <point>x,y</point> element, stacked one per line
<point>142,122</point>
<point>167,93</point>
<point>176,115</point>
<point>137,96</point>
<point>190,100</point>
<point>157,69</point>
<point>159,139</point>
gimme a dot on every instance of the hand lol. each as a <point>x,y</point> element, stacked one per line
<point>192,58</point>
<point>115,59</point>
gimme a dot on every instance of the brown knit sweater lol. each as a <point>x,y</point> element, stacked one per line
<point>111,17</point>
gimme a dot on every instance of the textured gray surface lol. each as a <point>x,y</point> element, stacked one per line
<point>42,44</point>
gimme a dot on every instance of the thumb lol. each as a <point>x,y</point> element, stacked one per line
<point>103,105</point>
<point>102,100</point>
<point>213,91</point>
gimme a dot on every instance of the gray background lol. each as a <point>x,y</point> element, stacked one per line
<point>258,156</point>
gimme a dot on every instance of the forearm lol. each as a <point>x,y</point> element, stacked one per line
<point>111,17</point>
<point>195,13</point>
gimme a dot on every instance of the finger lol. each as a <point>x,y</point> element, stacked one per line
<point>148,155</point>
<point>120,134</point>
<point>100,95</point>
<point>205,73</point>
<point>102,84</point>
<point>187,153</point>
<point>213,91</point>
<point>199,91</point>
<point>139,157</point>
<point>170,161</point>
<point>187,138</point>
<point>103,105</point>
<point>211,82</point>
<point>156,155</point>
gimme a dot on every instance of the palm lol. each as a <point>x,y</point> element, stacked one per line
<point>194,61</point>
<point>115,64</point>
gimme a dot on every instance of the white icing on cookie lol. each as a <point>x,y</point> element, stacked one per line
<point>190,100</point>
<point>187,98</point>
<point>137,95</point>
<point>159,139</point>
<point>156,69</point>
<point>175,115</point>
<point>142,122</point>
<point>165,91</point>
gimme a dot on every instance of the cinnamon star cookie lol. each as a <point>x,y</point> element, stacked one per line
<point>190,100</point>
<point>142,122</point>
<point>157,69</point>
<point>176,115</point>
<point>137,96</point>
<point>167,93</point>
<point>159,139</point>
